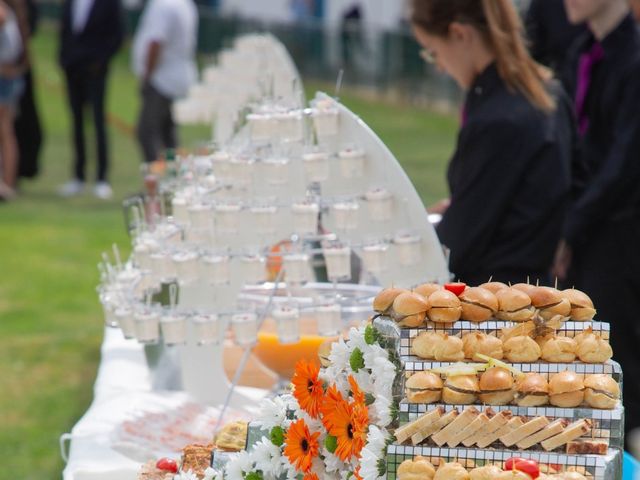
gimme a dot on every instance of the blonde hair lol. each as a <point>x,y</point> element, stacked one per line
<point>501,26</point>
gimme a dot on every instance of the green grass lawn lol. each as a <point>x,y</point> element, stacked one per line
<point>50,319</point>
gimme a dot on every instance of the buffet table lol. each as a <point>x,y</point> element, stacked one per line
<point>122,391</point>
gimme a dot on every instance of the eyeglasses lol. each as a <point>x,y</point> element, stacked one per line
<point>428,55</point>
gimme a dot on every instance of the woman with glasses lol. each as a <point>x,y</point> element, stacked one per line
<point>510,175</point>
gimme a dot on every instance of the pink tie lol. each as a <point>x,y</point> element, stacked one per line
<point>588,60</point>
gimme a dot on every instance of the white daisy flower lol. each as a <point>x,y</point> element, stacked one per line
<point>273,412</point>
<point>332,463</point>
<point>240,464</point>
<point>267,458</point>
<point>186,476</point>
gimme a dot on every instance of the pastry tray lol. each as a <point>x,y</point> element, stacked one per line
<point>608,424</point>
<point>569,328</point>
<point>415,364</point>
<point>594,467</point>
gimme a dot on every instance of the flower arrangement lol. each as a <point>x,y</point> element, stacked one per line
<point>334,423</point>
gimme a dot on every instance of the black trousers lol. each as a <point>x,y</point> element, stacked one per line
<point>87,84</point>
<point>28,131</point>
<point>607,268</point>
<point>156,128</point>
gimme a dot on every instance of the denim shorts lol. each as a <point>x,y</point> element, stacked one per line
<point>10,90</point>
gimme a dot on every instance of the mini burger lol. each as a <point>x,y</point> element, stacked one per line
<point>423,387</point>
<point>532,390</point>
<point>582,309</point>
<point>566,390</point>
<point>475,343</point>
<point>558,349</point>
<point>494,287</point>
<point>514,305</point>
<point>478,304</point>
<point>426,289</point>
<point>424,344</point>
<point>445,307</point>
<point>418,468</point>
<point>496,387</point>
<point>451,471</point>
<point>521,349</point>
<point>525,288</point>
<point>410,309</point>
<point>601,391</point>
<point>383,302</point>
<point>449,349</point>
<point>460,390</point>
<point>550,302</point>
<point>488,472</point>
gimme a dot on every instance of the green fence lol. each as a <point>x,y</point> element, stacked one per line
<point>383,62</point>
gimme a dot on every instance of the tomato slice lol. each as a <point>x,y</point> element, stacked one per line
<point>167,465</point>
<point>455,288</point>
<point>530,467</point>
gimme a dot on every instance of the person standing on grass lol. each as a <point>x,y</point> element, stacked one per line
<point>510,175</point>
<point>13,61</point>
<point>164,52</point>
<point>91,33</point>
<point>599,253</point>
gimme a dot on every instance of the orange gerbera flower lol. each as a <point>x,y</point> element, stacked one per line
<point>311,476</point>
<point>301,446</point>
<point>331,398</point>
<point>307,387</point>
<point>356,392</point>
<point>349,424</point>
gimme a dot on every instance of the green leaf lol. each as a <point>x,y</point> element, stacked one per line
<point>254,476</point>
<point>331,443</point>
<point>369,399</point>
<point>277,436</point>
<point>382,468</point>
<point>371,335</point>
<point>356,360</point>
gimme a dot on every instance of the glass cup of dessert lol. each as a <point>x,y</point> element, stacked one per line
<point>264,217</point>
<point>316,165</point>
<point>409,248</point>
<point>352,162</point>
<point>337,258</point>
<point>208,328</point>
<point>375,256</point>
<point>227,217</point>
<point>345,215</point>
<point>186,265</point>
<point>380,203</point>
<point>173,325</point>
<point>305,217</point>
<point>147,324</point>
<point>215,269</point>
<point>276,170</point>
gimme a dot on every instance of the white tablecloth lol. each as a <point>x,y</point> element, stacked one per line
<point>122,390</point>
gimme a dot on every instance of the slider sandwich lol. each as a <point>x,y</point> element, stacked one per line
<point>601,391</point>
<point>383,303</point>
<point>445,307</point>
<point>478,304</point>
<point>410,309</point>
<point>423,387</point>
<point>581,305</point>
<point>460,390</point>
<point>566,389</point>
<point>550,302</point>
<point>514,305</point>
<point>532,390</point>
<point>494,287</point>
<point>496,387</point>
<point>426,289</point>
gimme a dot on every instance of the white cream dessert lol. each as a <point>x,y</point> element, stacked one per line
<point>215,269</point>
<point>352,162</point>
<point>409,249</point>
<point>375,257</point>
<point>345,215</point>
<point>287,324</point>
<point>227,217</point>
<point>329,319</point>
<point>338,262</point>
<point>245,328</point>
<point>305,218</point>
<point>316,166</point>
<point>296,267</point>
<point>174,328</point>
<point>380,203</point>
<point>207,329</point>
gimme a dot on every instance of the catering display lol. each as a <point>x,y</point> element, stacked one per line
<point>375,411</point>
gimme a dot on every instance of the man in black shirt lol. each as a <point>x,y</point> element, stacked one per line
<point>603,227</point>
<point>550,33</point>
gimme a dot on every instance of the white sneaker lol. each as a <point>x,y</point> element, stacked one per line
<point>71,189</point>
<point>103,191</point>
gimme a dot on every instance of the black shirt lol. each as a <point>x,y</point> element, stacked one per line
<point>550,32</point>
<point>610,149</point>
<point>509,182</point>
